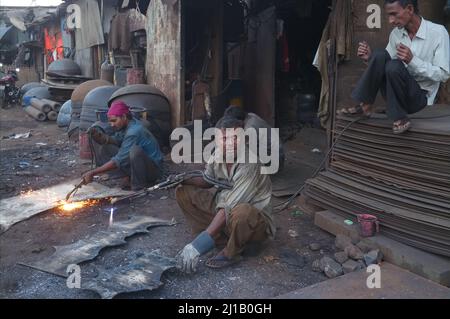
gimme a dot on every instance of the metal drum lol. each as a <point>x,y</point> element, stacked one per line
<point>37,92</point>
<point>77,98</point>
<point>94,102</point>
<point>64,66</point>
<point>156,104</point>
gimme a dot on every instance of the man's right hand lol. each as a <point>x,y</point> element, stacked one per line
<point>98,136</point>
<point>364,51</point>
<point>88,177</point>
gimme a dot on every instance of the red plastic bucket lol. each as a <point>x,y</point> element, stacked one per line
<point>369,225</point>
<point>85,150</point>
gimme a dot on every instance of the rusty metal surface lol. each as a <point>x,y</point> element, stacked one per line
<point>402,179</point>
<point>164,54</point>
<point>100,96</point>
<point>64,67</point>
<point>137,89</point>
<point>156,104</point>
<point>350,71</point>
<point>137,274</point>
<point>18,208</point>
<point>87,249</point>
<point>84,88</point>
<point>260,60</point>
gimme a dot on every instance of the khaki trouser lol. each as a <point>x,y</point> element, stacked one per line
<point>245,223</point>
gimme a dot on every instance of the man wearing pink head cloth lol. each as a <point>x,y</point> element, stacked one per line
<point>132,149</point>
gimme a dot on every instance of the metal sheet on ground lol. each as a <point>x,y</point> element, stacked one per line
<point>24,206</point>
<point>87,249</point>
<point>138,274</point>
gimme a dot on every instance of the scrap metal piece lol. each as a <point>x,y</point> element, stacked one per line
<point>88,249</point>
<point>18,208</point>
<point>141,273</point>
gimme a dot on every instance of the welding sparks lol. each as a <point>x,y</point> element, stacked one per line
<point>53,198</point>
<point>111,214</point>
<point>71,206</point>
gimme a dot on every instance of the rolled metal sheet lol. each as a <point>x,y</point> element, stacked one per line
<point>52,116</point>
<point>34,113</point>
<point>40,105</point>
<point>56,106</point>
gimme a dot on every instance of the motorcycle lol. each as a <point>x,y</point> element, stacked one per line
<point>9,93</point>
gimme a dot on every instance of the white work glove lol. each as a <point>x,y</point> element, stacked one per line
<point>187,259</point>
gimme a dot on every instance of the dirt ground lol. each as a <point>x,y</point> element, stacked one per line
<point>47,158</point>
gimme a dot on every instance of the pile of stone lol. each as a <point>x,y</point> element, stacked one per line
<point>351,256</point>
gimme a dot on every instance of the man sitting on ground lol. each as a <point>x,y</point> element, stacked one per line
<point>239,216</point>
<point>252,120</point>
<point>132,149</point>
<point>409,71</point>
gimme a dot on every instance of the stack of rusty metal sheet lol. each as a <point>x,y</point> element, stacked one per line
<point>404,179</point>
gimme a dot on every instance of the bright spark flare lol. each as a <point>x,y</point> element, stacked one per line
<point>70,206</point>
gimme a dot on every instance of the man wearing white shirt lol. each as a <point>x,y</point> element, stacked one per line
<point>409,71</point>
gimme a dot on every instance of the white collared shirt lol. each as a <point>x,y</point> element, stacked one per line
<point>431,55</point>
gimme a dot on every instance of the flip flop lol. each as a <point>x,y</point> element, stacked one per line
<point>402,126</point>
<point>221,261</point>
<point>354,111</point>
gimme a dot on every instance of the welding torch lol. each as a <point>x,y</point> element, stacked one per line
<point>173,181</point>
<point>75,189</point>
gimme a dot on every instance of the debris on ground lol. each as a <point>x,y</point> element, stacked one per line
<point>315,246</point>
<point>17,135</point>
<point>373,257</point>
<point>292,233</point>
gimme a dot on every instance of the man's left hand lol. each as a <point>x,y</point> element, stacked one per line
<point>187,259</point>
<point>404,53</point>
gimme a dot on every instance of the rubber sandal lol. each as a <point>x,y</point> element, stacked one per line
<point>401,127</point>
<point>354,111</point>
<point>221,261</point>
